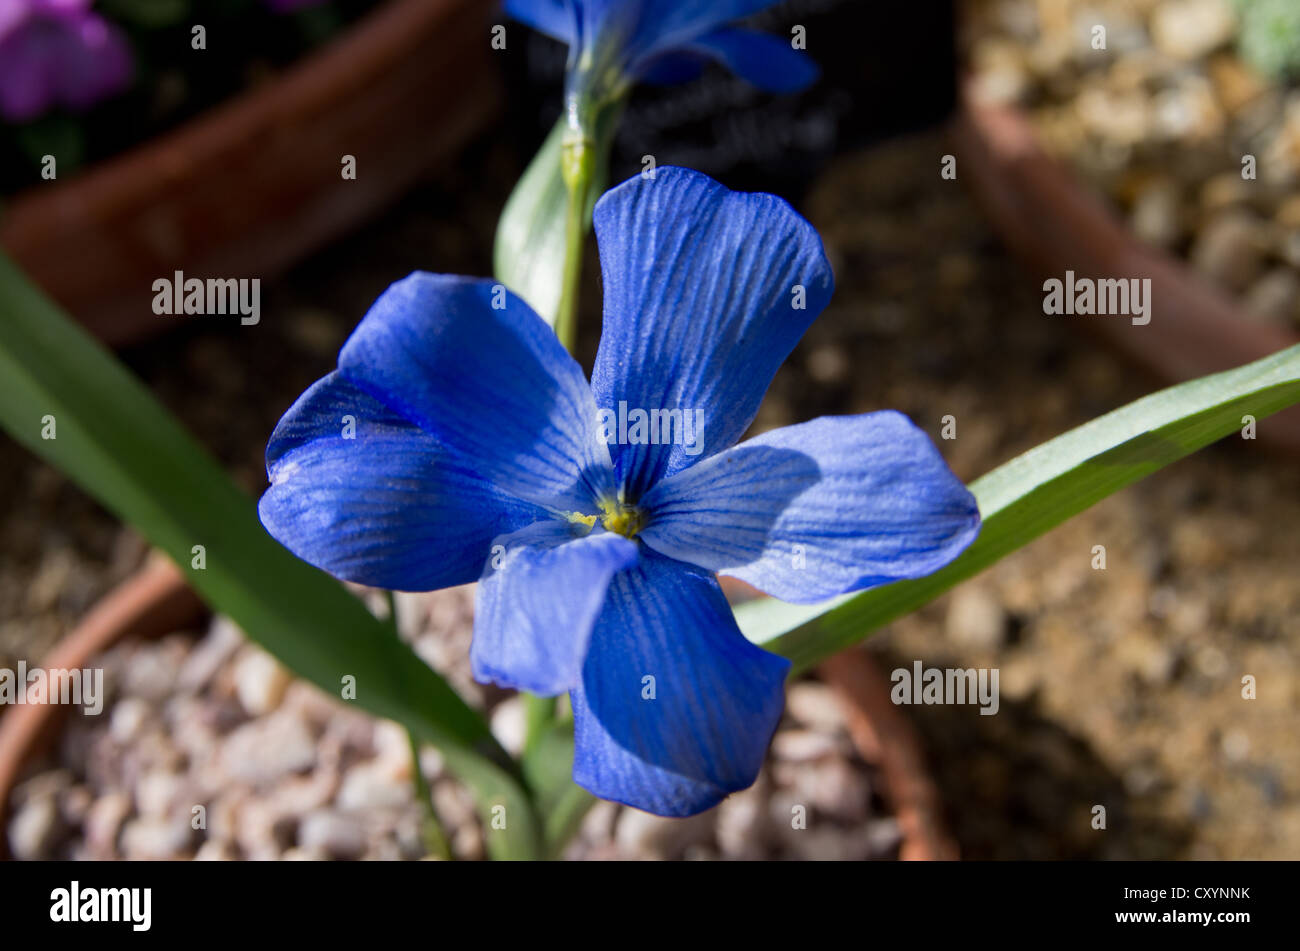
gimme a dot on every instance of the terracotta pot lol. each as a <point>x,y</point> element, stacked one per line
<point>1054,224</point>
<point>884,735</point>
<point>252,186</point>
<point>153,602</point>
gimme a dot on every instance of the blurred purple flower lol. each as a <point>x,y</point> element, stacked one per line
<point>58,53</point>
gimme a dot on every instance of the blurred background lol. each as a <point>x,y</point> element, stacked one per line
<point>1119,687</point>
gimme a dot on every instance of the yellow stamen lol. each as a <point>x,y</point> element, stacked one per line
<point>577,518</point>
<point>621,519</point>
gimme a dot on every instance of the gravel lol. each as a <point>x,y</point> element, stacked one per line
<point>228,769</point>
<point>1199,151</point>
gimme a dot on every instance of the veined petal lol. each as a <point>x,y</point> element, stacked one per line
<point>766,61</point>
<point>706,293</point>
<point>675,709</point>
<point>363,493</point>
<point>537,601</point>
<point>473,364</point>
<point>811,511</point>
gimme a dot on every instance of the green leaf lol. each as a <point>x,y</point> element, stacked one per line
<point>548,766</point>
<point>564,817</point>
<point>121,446</point>
<point>528,256</point>
<point>1039,490</point>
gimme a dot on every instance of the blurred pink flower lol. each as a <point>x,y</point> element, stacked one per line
<point>58,53</point>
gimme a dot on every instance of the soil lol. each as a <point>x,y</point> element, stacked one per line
<point>1119,687</point>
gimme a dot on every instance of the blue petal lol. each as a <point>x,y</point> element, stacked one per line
<point>701,307</point>
<point>765,61</point>
<point>641,35</point>
<point>768,62</point>
<point>492,382</point>
<point>552,17</point>
<point>536,603</point>
<point>658,27</point>
<point>716,697</point>
<point>390,507</point>
<point>808,512</point>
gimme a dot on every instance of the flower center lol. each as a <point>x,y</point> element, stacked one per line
<point>620,518</point>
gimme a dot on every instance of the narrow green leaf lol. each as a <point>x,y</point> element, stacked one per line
<point>1039,490</point>
<point>564,818</point>
<point>528,256</point>
<point>125,449</point>
<point>548,766</point>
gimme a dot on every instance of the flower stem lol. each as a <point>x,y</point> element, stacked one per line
<point>577,162</point>
<point>435,840</point>
<point>577,166</point>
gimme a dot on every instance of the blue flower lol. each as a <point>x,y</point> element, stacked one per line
<point>612,43</point>
<point>457,440</point>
